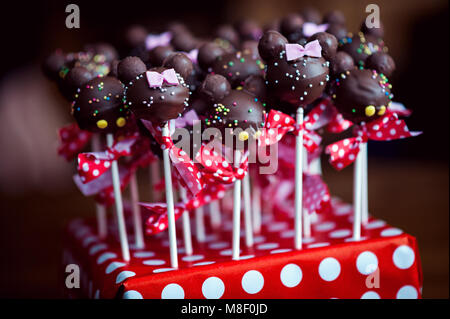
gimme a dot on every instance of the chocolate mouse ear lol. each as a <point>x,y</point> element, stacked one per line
<point>129,68</point>
<point>157,55</point>
<point>180,62</point>
<point>375,32</point>
<point>328,42</point>
<point>381,62</point>
<point>291,27</point>
<point>208,53</point>
<point>271,44</point>
<point>341,62</point>
<point>77,76</point>
<point>215,87</point>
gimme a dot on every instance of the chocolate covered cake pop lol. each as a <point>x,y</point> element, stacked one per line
<point>248,30</point>
<point>98,106</point>
<point>228,33</point>
<point>230,109</point>
<point>360,46</point>
<point>310,14</point>
<point>159,94</point>
<point>237,66</point>
<point>362,95</point>
<point>300,80</point>
<point>291,27</point>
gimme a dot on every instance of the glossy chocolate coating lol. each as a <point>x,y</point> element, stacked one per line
<point>130,66</point>
<point>159,104</point>
<point>360,46</point>
<point>381,62</point>
<point>362,95</point>
<point>298,82</point>
<point>338,30</point>
<point>291,27</point>
<point>98,105</point>
<point>231,109</point>
<point>157,55</point>
<point>237,66</point>
<point>228,33</point>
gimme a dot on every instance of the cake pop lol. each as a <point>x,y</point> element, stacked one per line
<point>160,94</point>
<point>231,109</point>
<point>297,80</point>
<point>98,106</point>
<point>362,95</point>
<point>361,45</point>
<point>235,66</point>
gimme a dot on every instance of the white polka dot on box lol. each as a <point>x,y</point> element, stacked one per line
<point>384,264</point>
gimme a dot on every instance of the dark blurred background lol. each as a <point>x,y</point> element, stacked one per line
<point>408,179</point>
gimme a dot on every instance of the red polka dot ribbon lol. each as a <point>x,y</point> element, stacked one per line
<point>72,140</point>
<point>158,219</point>
<point>93,165</point>
<point>216,169</point>
<point>386,128</point>
<point>191,178</point>
<point>278,124</point>
<point>337,123</point>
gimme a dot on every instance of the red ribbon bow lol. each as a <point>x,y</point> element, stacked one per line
<point>278,124</point>
<point>188,171</point>
<point>386,128</point>
<point>93,165</point>
<point>158,219</point>
<point>216,169</point>
<point>72,141</point>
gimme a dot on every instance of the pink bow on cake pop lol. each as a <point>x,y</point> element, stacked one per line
<point>216,169</point>
<point>278,124</point>
<point>156,79</point>
<point>72,141</point>
<point>187,119</point>
<point>158,219</point>
<point>386,128</point>
<point>154,40</point>
<point>93,165</point>
<point>295,51</point>
<point>310,28</point>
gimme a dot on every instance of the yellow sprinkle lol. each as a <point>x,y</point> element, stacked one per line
<point>102,124</point>
<point>121,122</point>
<point>370,110</point>
<point>243,136</point>
<point>382,110</point>
<point>239,88</point>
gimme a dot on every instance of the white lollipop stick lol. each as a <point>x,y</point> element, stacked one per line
<point>119,204</point>
<point>169,202</point>
<point>306,224</point>
<point>306,215</point>
<point>155,177</point>
<point>256,205</point>
<point>365,194</point>
<point>186,226</point>
<point>214,209</point>
<point>236,210</point>
<point>298,181</point>
<point>102,225</point>
<point>136,210</point>
<point>200,225</point>
<point>357,196</point>
<point>247,212</point>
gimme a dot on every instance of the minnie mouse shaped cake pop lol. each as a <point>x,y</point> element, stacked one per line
<point>231,109</point>
<point>363,44</point>
<point>363,95</point>
<point>297,75</point>
<point>98,106</point>
<point>234,66</point>
<point>159,94</point>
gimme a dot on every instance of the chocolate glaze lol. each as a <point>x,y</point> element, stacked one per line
<point>360,46</point>
<point>295,83</point>
<point>98,105</point>
<point>237,66</point>
<point>362,95</point>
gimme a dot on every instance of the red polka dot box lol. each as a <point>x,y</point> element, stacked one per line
<point>384,264</point>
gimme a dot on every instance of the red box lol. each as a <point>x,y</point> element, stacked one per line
<point>384,264</point>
